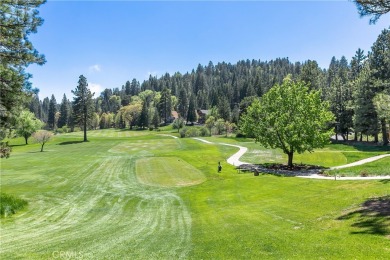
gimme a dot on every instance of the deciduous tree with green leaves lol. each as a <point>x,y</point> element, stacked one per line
<point>178,123</point>
<point>289,117</point>
<point>27,124</point>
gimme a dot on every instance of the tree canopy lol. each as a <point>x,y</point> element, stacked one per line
<point>289,117</point>
<point>18,19</point>
<point>27,124</point>
<point>373,8</point>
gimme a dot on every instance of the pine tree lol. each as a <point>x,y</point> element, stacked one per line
<point>45,109</point>
<point>18,19</point>
<point>192,116</point>
<point>183,103</point>
<point>379,61</point>
<point>365,118</point>
<point>224,109</point>
<point>373,8</point>
<point>52,113</point>
<point>165,105</point>
<point>35,106</point>
<point>143,118</point>
<point>64,112</point>
<point>82,105</point>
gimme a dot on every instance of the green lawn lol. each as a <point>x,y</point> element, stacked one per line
<point>96,200</point>
<point>167,172</point>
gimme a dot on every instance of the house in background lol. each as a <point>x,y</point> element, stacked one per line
<point>202,115</point>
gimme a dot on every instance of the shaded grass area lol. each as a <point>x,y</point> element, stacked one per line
<point>372,217</point>
<point>86,198</point>
<point>9,204</point>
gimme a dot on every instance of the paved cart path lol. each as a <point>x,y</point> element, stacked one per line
<point>235,161</point>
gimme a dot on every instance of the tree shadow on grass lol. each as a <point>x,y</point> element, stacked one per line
<point>71,142</point>
<point>364,146</point>
<point>16,145</point>
<point>373,217</point>
<point>385,181</point>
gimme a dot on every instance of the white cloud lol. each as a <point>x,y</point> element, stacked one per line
<point>94,68</point>
<point>95,88</point>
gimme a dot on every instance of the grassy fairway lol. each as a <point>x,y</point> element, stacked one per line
<point>167,172</point>
<point>89,200</point>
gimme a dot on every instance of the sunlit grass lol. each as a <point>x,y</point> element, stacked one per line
<point>87,198</point>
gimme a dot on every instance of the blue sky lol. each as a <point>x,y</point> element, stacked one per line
<point>111,42</point>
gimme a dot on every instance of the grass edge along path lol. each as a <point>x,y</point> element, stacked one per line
<point>235,161</point>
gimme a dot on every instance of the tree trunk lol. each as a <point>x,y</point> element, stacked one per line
<point>355,138</point>
<point>290,159</point>
<point>85,130</point>
<point>361,137</point>
<point>376,138</point>
<point>42,147</point>
<point>26,138</point>
<point>384,132</point>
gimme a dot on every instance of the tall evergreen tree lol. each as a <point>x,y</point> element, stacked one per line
<point>18,19</point>
<point>357,63</point>
<point>51,118</point>
<point>45,109</point>
<point>64,112</point>
<point>165,105</point>
<point>183,103</point>
<point>191,116</point>
<point>365,118</point>
<point>35,106</point>
<point>82,105</point>
<point>224,109</point>
<point>143,118</point>
<point>379,64</point>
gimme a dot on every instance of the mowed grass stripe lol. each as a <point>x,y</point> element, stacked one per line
<point>167,172</point>
<point>97,208</point>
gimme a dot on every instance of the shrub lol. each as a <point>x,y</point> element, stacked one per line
<point>5,150</point>
<point>192,132</point>
<point>10,204</point>
<point>183,132</point>
<point>77,129</point>
<point>204,132</point>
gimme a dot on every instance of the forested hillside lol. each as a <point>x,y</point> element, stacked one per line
<point>357,90</point>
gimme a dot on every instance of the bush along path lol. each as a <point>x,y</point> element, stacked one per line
<point>313,173</point>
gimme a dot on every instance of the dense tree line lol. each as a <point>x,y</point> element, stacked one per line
<point>358,90</point>
<point>227,89</point>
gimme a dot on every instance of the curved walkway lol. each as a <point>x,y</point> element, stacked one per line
<point>175,137</point>
<point>235,161</point>
<point>367,160</point>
